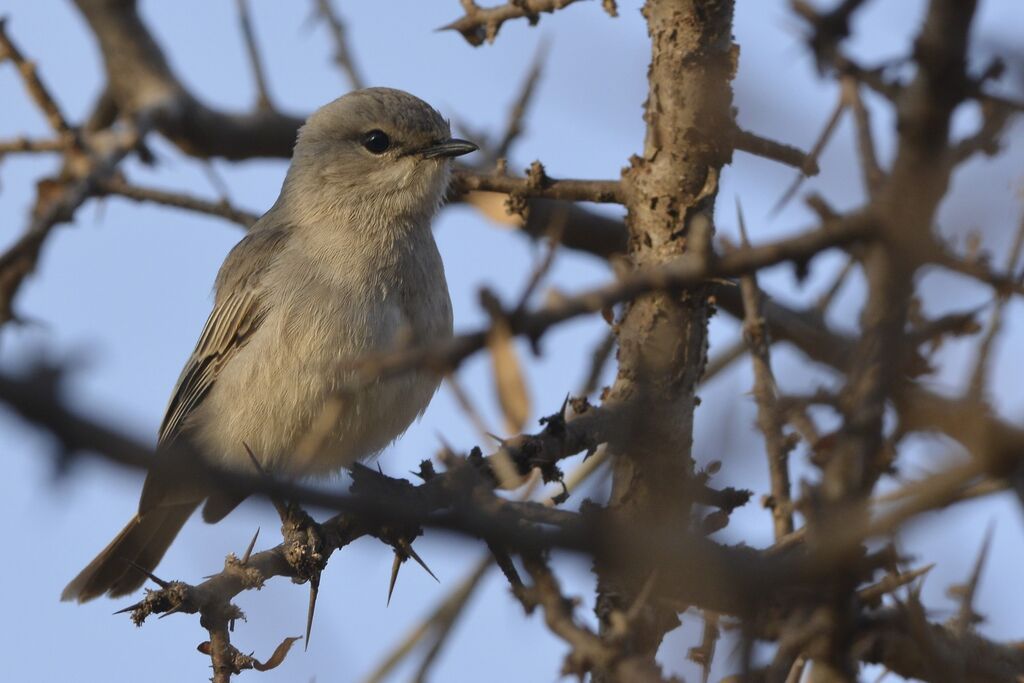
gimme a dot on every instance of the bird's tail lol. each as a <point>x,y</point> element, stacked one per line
<point>140,546</point>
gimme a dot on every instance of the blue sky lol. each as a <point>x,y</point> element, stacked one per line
<point>124,292</point>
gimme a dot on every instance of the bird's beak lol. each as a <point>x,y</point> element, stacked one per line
<point>448,148</point>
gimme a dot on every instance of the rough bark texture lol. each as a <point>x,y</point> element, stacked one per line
<point>670,192</point>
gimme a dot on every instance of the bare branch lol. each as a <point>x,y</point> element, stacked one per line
<point>514,125</point>
<point>20,259</point>
<point>828,29</point>
<point>342,55</point>
<point>33,84</point>
<point>873,174</point>
<point>769,418</point>
<point>538,184</point>
<point>826,598</point>
<point>263,101</point>
<point>120,188</point>
<point>896,643</point>
<point>752,143</point>
<point>480,24</point>
<point>813,155</point>
<point>966,618</point>
<point>24,145</point>
<point>140,79</point>
<point>976,384</point>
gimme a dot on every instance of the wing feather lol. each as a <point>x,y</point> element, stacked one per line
<point>237,313</point>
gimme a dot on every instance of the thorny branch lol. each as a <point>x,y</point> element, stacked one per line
<point>826,602</point>
<point>538,184</point>
<point>480,24</point>
<point>378,505</point>
<point>769,417</point>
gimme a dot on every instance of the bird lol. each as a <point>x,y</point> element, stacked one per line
<point>344,264</point>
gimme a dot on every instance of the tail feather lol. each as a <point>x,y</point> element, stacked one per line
<point>142,543</point>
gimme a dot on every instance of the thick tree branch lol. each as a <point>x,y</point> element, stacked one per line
<point>670,191</point>
<point>139,78</point>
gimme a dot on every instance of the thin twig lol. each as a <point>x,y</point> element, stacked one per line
<point>966,617</point>
<point>27,146</point>
<point>976,384</point>
<point>752,143</point>
<point>769,418</point>
<point>121,188</point>
<point>556,228</point>
<point>724,359</point>
<point>599,357</point>
<point>20,259</point>
<point>813,155</point>
<point>828,296</point>
<point>342,55</point>
<point>263,102</point>
<point>514,124</point>
<point>873,174</point>
<point>35,86</point>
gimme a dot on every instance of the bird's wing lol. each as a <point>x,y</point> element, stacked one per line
<point>238,310</point>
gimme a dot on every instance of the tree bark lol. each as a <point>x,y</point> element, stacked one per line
<point>670,192</point>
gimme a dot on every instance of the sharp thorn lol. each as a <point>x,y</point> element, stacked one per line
<point>407,547</point>
<point>173,610</point>
<point>744,238</point>
<point>314,590</point>
<point>979,563</point>
<point>129,608</point>
<point>252,544</point>
<point>158,581</point>
<point>971,587</point>
<point>396,565</point>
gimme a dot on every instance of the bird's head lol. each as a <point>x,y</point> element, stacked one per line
<point>384,149</point>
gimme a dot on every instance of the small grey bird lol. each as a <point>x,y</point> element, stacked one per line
<point>344,264</point>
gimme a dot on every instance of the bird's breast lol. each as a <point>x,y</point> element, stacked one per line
<point>303,371</point>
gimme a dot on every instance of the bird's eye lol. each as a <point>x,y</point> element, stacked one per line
<point>376,141</point>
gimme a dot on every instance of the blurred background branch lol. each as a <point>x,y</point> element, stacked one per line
<point>851,373</point>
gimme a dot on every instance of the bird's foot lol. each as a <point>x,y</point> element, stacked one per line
<point>303,544</point>
<point>304,553</point>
